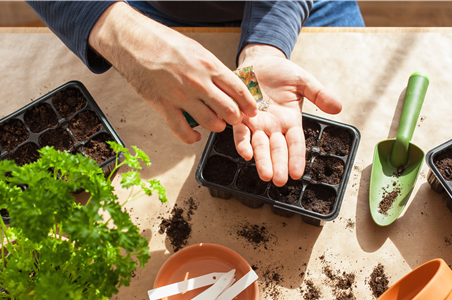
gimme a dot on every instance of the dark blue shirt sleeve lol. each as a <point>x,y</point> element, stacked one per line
<point>72,22</point>
<point>274,23</point>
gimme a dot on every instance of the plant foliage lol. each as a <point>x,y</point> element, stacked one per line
<point>56,248</point>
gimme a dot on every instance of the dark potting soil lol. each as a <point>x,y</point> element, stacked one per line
<point>443,162</point>
<point>177,229</point>
<point>192,206</point>
<point>40,117</point>
<point>26,154</point>
<point>254,234</point>
<point>378,281</point>
<point>318,198</point>
<point>271,280</point>
<point>312,293</point>
<point>308,158</point>
<point>84,125</point>
<point>12,133</point>
<point>4,213</point>
<point>68,102</point>
<point>336,140</point>
<point>220,170</point>
<point>249,181</point>
<point>289,193</point>
<point>327,169</point>
<point>389,196</point>
<point>311,133</point>
<point>58,138</point>
<point>225,143</point>
<point>98,149</point>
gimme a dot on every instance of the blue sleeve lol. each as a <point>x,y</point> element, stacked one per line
<point>274,23</point>
<point>72,22</point>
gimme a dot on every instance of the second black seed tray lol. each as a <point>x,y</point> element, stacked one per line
<point>67,118</point>
<point>331,148</point>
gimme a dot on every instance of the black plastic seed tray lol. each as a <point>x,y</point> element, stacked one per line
<point>438,158</point>
<point>317,197</point>
<point>58,119</point>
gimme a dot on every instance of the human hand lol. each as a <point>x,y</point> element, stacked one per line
<point>277,143</point>
<point>171,72</point>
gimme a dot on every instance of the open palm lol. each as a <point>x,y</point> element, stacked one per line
<point>277,142</point>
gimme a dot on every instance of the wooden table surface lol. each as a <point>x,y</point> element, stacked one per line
<point>367,68</point>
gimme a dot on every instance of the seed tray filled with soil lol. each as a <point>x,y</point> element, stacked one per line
<point>66,118</point>
<point>330,152</point>
<point>439,177</point>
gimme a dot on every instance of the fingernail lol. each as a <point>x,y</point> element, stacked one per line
<point>254,113</point>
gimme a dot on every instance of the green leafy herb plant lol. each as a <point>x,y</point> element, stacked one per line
<point>56,248</point>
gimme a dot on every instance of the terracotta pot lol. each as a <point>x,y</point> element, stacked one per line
<point>432,280</point>
<point>201,259</point>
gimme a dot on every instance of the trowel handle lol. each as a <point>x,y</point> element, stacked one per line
<point>414,98</point>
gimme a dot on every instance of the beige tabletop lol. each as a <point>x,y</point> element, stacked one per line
<point>367,69</point>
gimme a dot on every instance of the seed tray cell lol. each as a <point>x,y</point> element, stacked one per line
<point>439,160</point>
<point>316,197</point>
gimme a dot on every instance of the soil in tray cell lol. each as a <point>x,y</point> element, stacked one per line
<point>308,162</point>
<point>443,163</point>
<point>58,138</point>
<point>12,133</point>
<point>224,143</point>
<point>220,170</point>
<point>68,102</point>
<point>98,149</point>
<point>289,193</point>
<point>249,181</point>
<point>327,169</point>
<point>40,117</point>
<point>311,133</point>
<point>318,198</point>
<point>26,154</point>
<point>336,141</point>
<point>84,125</point>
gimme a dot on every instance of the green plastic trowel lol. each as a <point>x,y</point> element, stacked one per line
<point>397,162</point>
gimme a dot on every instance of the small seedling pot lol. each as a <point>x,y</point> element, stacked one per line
<point>439,160</point>
<point>432,280</point>
<point>317,196</point>
<point>67,118</point>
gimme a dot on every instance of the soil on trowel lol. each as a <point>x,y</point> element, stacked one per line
<point>40,118</point>
<point>336,140</point>
<point>327,169</point>
<point>389,196</point>
<point>220,170</point>
<point>12,133</point>
<point>225,143</point>
<point>98,149</point>
<point>177,229</point>
<point>311,133</point>
<point>84,125</point>
<point>443,162</point>
<point>318,198</point>
<point>68,102</point>
<point>289,193</point>
<point>26,154</point>
<point>378,281</point>
<point>58,138</point>
<point>249,181</point>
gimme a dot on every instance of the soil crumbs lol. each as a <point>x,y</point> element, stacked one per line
<point>378,281</point>
<point>271,280</point>
<point>177,229</point>
<point>312,293</point>
<point>342,284</point>
<point>254,234</point>
<point>388,198</point>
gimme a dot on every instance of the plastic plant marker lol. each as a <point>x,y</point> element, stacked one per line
<point>184,286</point>
<point>239,286</point>
<point>222,283</point>
<point>397,162</point>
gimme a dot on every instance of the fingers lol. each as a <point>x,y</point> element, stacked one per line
<point>279,157</point>
<point>315,92</point>
<point>261,147</point>
<point>242,143</point>
<point>234,87</point>
<point>180,128</point>
<point>297,152</point>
